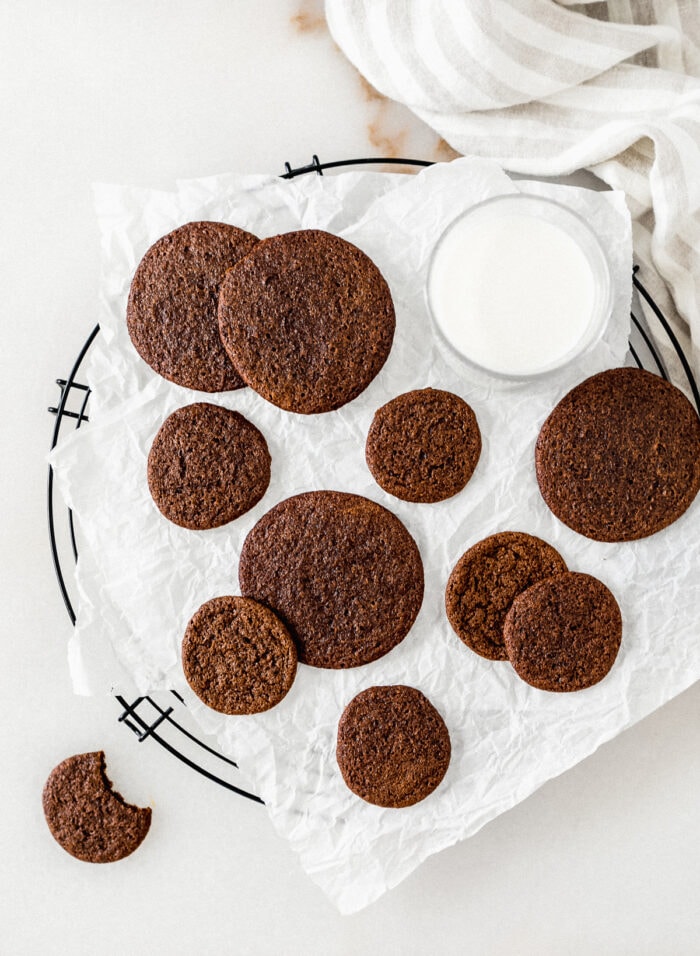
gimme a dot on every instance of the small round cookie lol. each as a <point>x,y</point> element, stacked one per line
<point>486,580</point>
<point>619,457</point>
<point>342,572</point>
<point>238,657</point>
<point>423,446</point>
<point>207,465</point>
<point>393,746</point>
<point>564,633</point>
<point>307,320</point>
<point>171,312</point>
<point>89,819</point>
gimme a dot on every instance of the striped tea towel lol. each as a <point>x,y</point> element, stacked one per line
<point>546,88</point>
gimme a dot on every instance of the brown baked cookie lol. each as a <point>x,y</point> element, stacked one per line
<point>486,580</point>
<point>342,572</point>
<point>238,657</point>
<point>564,633</point>
<point>423,446</point>
<point>86,816</point>
<point>619,457</point>
<point>393,746</point>
<point>207,465</point>
<point>171,313</point>
<point>307,319</point>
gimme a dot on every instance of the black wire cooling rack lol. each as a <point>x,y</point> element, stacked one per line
<point>163,717</point>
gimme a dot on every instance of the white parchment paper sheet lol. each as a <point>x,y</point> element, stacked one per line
<point>141,578</point>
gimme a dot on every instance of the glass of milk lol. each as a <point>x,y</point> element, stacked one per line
<point>519,286</point>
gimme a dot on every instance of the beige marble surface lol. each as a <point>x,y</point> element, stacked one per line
<point>603,859</point>
<point>390,128</point>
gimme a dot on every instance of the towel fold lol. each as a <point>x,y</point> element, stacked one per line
<point>547,88</point>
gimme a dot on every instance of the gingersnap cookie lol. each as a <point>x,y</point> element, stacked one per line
<point>86,816</point>
<point>423,446</point>
<point>342,572</point>
<point>171,312</point>
<point>307,320</point>
<point>619,457</point>
<point>207,465</point>
<point>238,657</point>
<point>393,746</point>
<point>487,579</point>
<point>564,633</point>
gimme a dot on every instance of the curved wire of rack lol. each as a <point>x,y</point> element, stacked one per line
<point>151,716</point>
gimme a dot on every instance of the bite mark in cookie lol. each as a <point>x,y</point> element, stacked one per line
<point>89,819</point>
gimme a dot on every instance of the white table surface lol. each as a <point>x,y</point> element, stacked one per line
<point>601,860</point>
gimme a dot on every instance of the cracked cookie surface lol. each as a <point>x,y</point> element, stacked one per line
<point>424,445</point>
<point>171,313</point>
<point>342,572</point>
<point>238,657</point>
<point>487,579</point>
<point>564,633</point>
<point>89,819</point>
<point>207,466</point>
<point>393,747</point>
<point>619,456</point>
<point>307,320</point>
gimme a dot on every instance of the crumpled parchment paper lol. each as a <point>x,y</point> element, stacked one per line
<point>141,578</point>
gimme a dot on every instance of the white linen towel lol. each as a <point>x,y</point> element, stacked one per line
<point>546,88</point>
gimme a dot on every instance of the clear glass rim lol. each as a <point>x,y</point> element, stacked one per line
<point>595,255</point>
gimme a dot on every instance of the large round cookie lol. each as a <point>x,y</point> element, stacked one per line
<point>393,746</point>
<point>86,816</point>
<point>342,572</point>
<point>238,657</point>
<point>619,457</point>
<point>423,445</point>
<point>207,465</point>
<point>171,312</point>
<point>486,580</point>
<point>564,633</point>
<point>307,320</point>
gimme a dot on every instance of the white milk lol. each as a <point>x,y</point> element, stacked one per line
<point>516,285</point>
